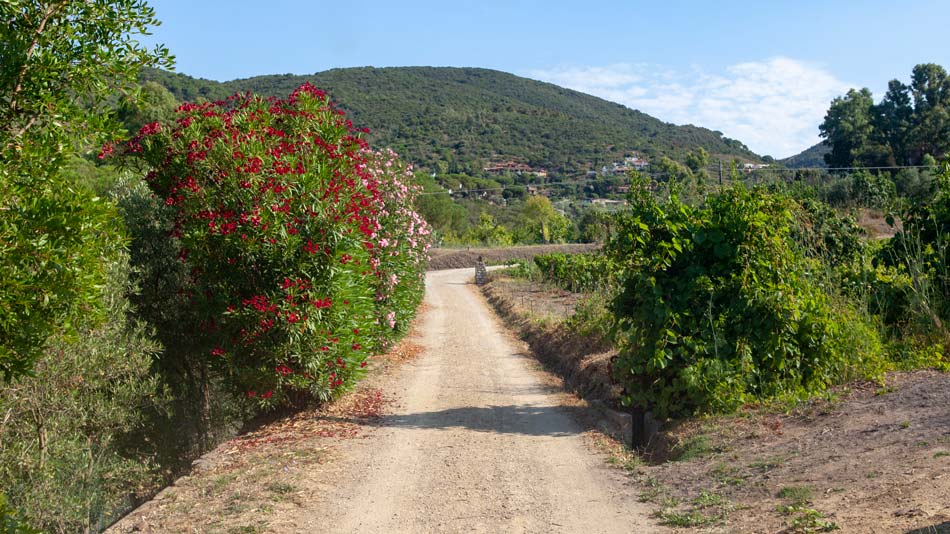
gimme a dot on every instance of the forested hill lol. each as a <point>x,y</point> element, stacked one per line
<point>460,119</point>
<point>813,156</point>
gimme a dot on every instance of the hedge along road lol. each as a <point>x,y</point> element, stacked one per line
<point>476,442</point>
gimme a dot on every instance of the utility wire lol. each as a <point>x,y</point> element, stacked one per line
<point>825,169</point>
<point>654,175</point>
<point>545,184</point>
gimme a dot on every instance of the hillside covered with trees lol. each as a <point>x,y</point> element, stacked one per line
<point>811,157</point>
<point>459,120</point>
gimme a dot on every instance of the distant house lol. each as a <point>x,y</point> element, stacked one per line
<point>636,162</point>
<point>629,163</point>
<point>749,167</point>
<point>606,202</point>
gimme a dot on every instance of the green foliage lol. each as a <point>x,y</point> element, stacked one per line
<point>914,278</point>
<point>872,190</point>
<point>577,272</point>
<point>909,124</point>
<point>803,520</point>
<point>53,243</point>
<point>61,66</point>
<point>914,184</point>
<point>458,120</point>
<point>151,103</point>
<point>10,521</point>
<point>718,307</point>
<point>848,129</point>
<point>593,226</point>
<point>202,409</point>
<point>489,233</point>
<point>592,318</point>
<point>56,94</point>
<point>53,97</point>
<point>66,463</point>
<point>690,519</point>
<point>697,163</point>
<point>798,495</point>
<point>543,224</point>
<point>824,234</point>
<point>448,219</point>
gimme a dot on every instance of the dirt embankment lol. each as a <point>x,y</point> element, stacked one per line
<point>866,459</point>
<point>535,311</point>
<point>462,258</point>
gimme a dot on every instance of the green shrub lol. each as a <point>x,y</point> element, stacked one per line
<point>52,271</point>
<point>10,522</point>
<point>64,460</point>
<point>592,317</point>
<point>203,409</point>
<point>489,233</point>
<point>56,94</point>
<point>576,272</point>
<point>717,306</point>
<point>915,278</point>
<point>824,234</point>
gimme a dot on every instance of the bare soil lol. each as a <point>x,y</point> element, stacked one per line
<point>460,258</point>
<point>464,432</point>
<point>869,458</point>
<point>874,223</point>
<point>537,311</point>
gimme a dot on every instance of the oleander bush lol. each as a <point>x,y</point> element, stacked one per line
<point>300,252</point>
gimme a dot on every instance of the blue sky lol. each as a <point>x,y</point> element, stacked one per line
<point>761,72</point>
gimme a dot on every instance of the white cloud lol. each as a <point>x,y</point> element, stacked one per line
<point>773,106</point>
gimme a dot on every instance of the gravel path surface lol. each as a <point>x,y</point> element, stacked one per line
<point>476,442</point>
<point>464,434</point>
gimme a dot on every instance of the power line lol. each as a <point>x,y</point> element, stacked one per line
<point>828,169</point>
<point>654,175</point>
<point>545,184</point>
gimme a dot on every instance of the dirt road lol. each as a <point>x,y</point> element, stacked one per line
<point>474,437</point>
<point>477,443</point>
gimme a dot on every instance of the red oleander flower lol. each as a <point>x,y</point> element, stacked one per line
<point>107,150</point>
<point>151,128</point>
